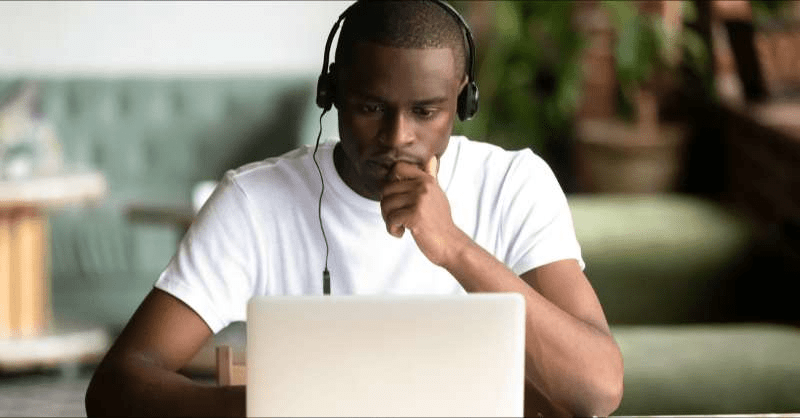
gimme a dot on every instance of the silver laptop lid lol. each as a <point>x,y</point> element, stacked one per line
<point>459,355</point>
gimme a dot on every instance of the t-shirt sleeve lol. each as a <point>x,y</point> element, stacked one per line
<point>214,268</point>
<point>537,226</point>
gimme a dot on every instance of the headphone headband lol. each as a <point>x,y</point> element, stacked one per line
<point>467,34</point>
<point>467,99</point>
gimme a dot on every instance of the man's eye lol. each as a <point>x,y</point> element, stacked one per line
<point>371,108</point>
<point>424,112</point>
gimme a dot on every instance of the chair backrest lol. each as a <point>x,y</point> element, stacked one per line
<point>228,372</point>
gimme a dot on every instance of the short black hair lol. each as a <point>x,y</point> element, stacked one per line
<point>415,24</point>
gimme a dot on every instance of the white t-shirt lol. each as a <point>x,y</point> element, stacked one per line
<point>259,233</point>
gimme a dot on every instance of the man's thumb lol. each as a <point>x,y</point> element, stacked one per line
<point>432,167</point>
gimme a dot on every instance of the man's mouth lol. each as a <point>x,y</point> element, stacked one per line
<point>387,163</point>
<point>379,169</point>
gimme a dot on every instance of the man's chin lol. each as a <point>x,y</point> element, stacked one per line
<point>373,193</point>
<point>370,188</point>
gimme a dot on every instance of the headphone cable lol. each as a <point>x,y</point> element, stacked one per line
<point>326,276</point>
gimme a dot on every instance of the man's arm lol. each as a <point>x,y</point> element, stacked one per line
<point>138,376</point>
<point>571,358</point>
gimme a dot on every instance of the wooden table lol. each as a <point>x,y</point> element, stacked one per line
<point>28,333</point>
<point>179,217</point>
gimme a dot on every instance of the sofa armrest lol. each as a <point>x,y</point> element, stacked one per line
<point>658,258</point>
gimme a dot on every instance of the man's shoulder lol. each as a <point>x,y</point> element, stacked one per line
<point>296,161</point>
<point>289,171</point>
<point>483,154</point>
<point>293,159</point>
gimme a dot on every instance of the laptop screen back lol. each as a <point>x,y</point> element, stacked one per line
<point>460,355</point>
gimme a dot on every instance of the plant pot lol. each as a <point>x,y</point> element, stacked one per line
<point>613,156</point>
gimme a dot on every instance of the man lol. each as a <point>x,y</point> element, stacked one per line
<point>407,209</point>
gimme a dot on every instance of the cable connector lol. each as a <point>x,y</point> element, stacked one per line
<point>326,282</point>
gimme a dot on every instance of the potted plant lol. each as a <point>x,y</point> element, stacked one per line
<point>637,152</point>
<point>529,75</point>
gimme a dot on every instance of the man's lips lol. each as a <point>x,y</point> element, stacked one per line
<point>389,162</point>
<point>382,168</point>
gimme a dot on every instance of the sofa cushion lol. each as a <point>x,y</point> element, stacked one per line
<point>710,369</point>
<point>659,258</point>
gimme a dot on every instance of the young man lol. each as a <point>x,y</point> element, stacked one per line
<point>407,209</point>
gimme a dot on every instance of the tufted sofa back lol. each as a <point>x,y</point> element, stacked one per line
<point>149,134</point>
<point>154,138</point>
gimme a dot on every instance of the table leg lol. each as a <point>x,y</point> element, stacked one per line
<point>31,241</point>
<point>6,302</point>
<point>24,291</point>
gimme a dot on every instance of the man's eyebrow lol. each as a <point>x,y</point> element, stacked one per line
<point>423,102</point>
<point>367,96</point>
<point>431,101</point>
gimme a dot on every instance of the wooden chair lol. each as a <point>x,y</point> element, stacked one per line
<point>228,372</point>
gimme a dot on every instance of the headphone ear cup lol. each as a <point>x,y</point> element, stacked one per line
<point>326,91</point>
<point>468,101</point>
<point>323,97</point>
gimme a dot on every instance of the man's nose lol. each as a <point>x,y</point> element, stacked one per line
<point>397,130</point>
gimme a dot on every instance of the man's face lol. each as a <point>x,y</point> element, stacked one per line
<point>395,104</point>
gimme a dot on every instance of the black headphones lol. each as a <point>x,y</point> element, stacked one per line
<point>467,99</point>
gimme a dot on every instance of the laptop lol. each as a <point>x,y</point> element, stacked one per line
<point>456,355</point>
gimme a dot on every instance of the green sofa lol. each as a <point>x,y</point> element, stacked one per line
<point>667,270</point>
<point>661,265</point>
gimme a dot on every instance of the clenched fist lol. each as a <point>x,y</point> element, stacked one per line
<point>413,200</point>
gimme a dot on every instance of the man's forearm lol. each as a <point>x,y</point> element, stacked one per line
<point>147,390</point>
<point>573,363</point>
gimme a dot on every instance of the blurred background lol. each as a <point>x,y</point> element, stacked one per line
<point>673,127</point>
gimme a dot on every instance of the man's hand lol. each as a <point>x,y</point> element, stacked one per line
<point>413,200</point>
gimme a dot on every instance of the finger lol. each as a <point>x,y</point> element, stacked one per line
<point>395,211</point>
<point>396,231</point>
<point>396,196</point>
<point>398,221</point>
<point>392,203</point>
<point>403,170</point>
<point>394,227</point>
<point>432,167</point>
<point>398,187</point>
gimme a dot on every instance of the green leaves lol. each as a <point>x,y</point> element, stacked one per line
<point>530,70</point>
<point>644,45</point>
<point>531,43</point>
<point>769,11</point>
<point>508,21</point>
<point>695,50</point>
<point>641,44</point>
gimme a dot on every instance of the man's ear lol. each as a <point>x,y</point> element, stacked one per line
<point>464,81</point>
